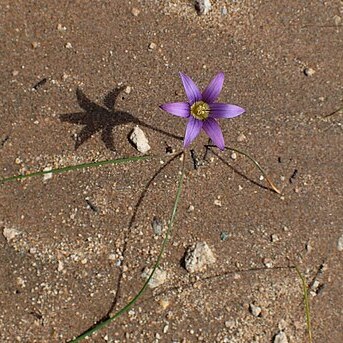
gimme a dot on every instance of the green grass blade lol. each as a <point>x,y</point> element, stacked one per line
<point>75,167</point>
<point>307,304</point>
<point>142,290</point>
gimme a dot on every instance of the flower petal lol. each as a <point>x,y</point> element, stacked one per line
<point>191,89</point>
<point>212,91</point>
<point>212,129</point>
<point>180,109</point>
<point>192,130</point>
<point>220,110</point>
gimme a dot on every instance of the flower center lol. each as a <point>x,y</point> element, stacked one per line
<point>200,110</point>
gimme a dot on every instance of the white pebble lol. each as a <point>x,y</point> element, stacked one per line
<point>139,140</point>
<point>340,243</point>
<point>198,257</point>
<point>280,338</point>
<point>158,279</point>
<point>10,234</point>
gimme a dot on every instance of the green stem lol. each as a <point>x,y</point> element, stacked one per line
<point>75,167</point>
<point>142,290</point>
<point>307,304</point>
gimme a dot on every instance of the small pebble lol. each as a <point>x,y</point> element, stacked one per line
<point>47,176</point>
<point>274,238</point>
<point>68,45</point>
<point>224,236</point>
<point>60,27</point>
<point>157,226</point>
<point>10,234</point>
<point>241,138</point>
<point>158,279</point>
<point>190,208</point>
<point>135,11</point>
<point>218,203</point>
<point>152,46</point>
<point>198,257</point>
<point>35,45</point>
<point>233,155</point>
<point>280,338</point>
<point>340,243</point>
<point>268,262</point>
<point>127,90</point>
<point>202,6</point>
<point>139,140</point>
<point>224,10</point>
<point>255,310</point>
<point>15,73</point>
<point>309,71</point>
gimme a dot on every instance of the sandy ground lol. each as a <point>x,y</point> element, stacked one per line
<point>81,239</point>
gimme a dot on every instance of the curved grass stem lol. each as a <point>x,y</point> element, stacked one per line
<point>271,183</point>
<point>306,303</point>
<point>142,290</point>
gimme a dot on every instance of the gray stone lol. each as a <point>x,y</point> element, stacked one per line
<point>198,257</point>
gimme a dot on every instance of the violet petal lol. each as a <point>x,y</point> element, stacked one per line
<point>212,129</point>
<point>192,130</point>
<point>212,91</point>
<point>191,89</point>
<point>180,109</point>
<point>221,110</point>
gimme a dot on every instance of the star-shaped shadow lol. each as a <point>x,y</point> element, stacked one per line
<point>96,118</point>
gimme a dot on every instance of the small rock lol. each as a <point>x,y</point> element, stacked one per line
<point>158,279</point>
<point>337,19</point>
<point>202,6</point>
<point>10,234</point>
<point>127,90</point>
<point>274,238</point>
<point>139,140</point>
<point>47,176</point>
<point>157,226</point>
<point>60,266</point>
<point>309,71</point>
<point>190,208</point>
<point>218,203</point>
<point>340,243</point>
<point>198,257</point>
<point>60,27</point>
<point>255,310</point>
<point>15,73</point>
<point>152,46</point>
<point>224,236</point>
<point>35,45</point>
<point>233,155</point>
<point>280,338</point>
<point>241,138</point>
<point>68,45</point>
<point>135,11</point>
<point>224,10</point>
<point>268,262</point>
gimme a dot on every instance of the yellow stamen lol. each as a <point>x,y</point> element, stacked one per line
<point>200,110</point>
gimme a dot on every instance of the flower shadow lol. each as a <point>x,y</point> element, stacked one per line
<point>103,119</point>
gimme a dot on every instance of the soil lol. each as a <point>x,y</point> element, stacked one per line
<point>81,239</point>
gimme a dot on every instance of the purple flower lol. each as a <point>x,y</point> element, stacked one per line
<point>201,110</point>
